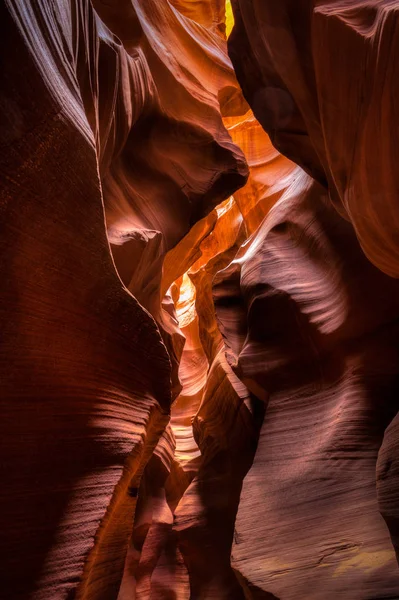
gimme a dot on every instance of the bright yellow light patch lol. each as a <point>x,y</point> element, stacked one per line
<point>229,18</point>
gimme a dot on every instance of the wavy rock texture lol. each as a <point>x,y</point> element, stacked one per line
<point>323,117</point>
<point>320,75</point>
<point>199,364</point>
<point>308,523</point>
<point>96,122</point>
<point>81,412</point>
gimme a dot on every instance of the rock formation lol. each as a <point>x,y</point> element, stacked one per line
<point>199,357</point>
<point>320,75</point>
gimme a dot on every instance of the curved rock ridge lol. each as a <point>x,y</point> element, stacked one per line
<point>166,158</point>
<point>326,106</point>
<point>210,446</point>
<point>320,77</point>
<point>311,329</point>
<point>81,413</point>
<point>101,116</point>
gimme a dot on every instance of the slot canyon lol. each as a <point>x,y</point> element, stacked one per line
<point>199,300</point>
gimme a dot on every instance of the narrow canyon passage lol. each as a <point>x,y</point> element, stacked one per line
<point>199,307</point>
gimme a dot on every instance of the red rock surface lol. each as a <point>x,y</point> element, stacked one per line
<point>308,523</point>
<point>198,355</point>
<point>320,76</point>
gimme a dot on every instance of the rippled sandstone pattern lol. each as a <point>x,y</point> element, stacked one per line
<point>320,349</point>
<point>198,363</point>
<point>320,75</point>
<point>92,125</point>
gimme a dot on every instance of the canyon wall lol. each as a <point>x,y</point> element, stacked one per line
<point>199,308</point>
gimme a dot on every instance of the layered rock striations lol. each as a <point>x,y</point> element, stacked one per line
<point>325,105</point>
<point>97,117</point>
<point>308,522</point>
<point>320,76</point>
<point>199,363</point>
